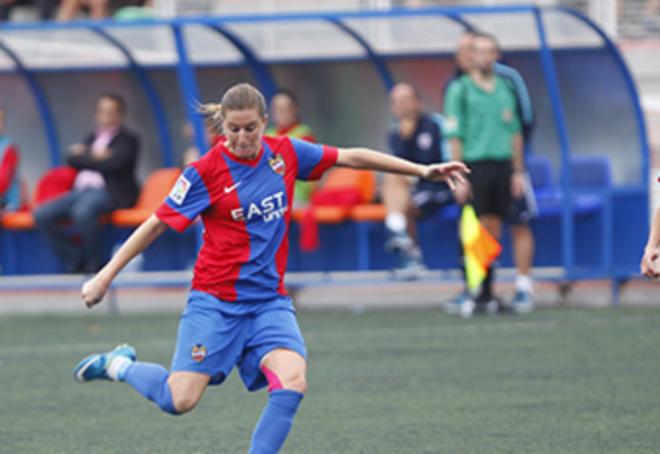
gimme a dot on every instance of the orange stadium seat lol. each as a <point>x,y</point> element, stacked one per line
<point>368,212</point>
<point>153,193</point>
<point>340,179</point>
<point>54,182</point>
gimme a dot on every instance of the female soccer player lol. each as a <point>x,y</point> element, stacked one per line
<point>238,312</point>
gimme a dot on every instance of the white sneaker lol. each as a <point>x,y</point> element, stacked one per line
<point>523,302</point>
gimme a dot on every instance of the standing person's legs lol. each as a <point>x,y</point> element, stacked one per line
<point>49,219</point>
<point>523,248</point>
<point>46,8</point>
<point>523,210</point>
<point>98,9</point>
<point>68,10</point>
<point>492,201</point>
<point>5,11</point>
<point>493,224</point>
<point>91,204</point>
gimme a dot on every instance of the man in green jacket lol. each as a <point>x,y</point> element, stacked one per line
<point>484,131</point>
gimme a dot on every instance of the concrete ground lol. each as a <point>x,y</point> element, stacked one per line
<point>166,292</point>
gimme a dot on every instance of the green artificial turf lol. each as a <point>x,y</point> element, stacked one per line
<point>557,381</point>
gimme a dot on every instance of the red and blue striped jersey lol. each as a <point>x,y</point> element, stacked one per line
<point>245,206</point>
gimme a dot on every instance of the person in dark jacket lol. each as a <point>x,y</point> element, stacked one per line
<point>106,162</point>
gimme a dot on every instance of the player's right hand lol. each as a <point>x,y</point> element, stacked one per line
<point>648,266</point>
<point>93,291</point>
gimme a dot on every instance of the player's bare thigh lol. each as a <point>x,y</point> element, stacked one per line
<point>187,389</point>
<point>289,367</point>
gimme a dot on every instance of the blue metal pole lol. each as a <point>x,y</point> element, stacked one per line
<point>458,18</point>
<point>259,69</point>
<point>190,96</point>
<point>378,61</point>
<point>42,105</point>
<point>189,89</point>
<point>552,84</point>
<point>277,17</point>
<point>155,103</point>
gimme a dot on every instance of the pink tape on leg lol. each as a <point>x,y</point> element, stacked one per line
<point>273,382</point>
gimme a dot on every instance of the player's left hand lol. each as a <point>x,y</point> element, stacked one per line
<point>450,172</point>
<point>648,266</point>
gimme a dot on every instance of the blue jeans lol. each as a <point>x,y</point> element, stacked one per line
<point>82,208</point>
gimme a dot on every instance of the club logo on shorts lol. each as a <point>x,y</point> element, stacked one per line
<point>198,353</point>
<point>180,189</point>
<point>277,164</point>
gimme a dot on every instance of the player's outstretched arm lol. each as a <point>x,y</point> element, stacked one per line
<point>363,158</point>
<point>94,289</point>
<point>648,266</point>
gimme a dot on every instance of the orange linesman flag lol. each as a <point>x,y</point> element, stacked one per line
<point>479,248</point>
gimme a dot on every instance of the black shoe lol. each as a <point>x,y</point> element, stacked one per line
<point>494,305</point>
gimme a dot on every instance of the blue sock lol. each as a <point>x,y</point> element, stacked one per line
<point>150,380</point>
<point>275,422</point>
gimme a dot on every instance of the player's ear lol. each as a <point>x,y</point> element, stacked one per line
<point>265,119</point>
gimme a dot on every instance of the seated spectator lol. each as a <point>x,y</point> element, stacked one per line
<point>106,163</point>
<point>10,184</point>
<point>285,114</point>
<point>416,137</point>
<point>98,9</point>
<point>46,8</point>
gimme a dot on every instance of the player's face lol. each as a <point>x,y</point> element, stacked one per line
<point>404,102</point>
<point>2,121</point>
<point>465,53</point>
<point>108,113</point>
<point>485,54</point>
<point>244,129</point>
<point>284,111</point>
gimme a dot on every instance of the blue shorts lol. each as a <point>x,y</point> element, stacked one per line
<point>214,336</point>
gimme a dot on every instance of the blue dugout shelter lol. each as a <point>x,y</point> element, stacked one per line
<point>589,149</point>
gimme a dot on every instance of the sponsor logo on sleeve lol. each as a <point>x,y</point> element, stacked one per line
<point>180,190</point>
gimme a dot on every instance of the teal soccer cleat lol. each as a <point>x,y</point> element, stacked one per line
<point>95,366</point>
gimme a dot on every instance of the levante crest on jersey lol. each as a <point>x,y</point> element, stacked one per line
<point>277,164</point>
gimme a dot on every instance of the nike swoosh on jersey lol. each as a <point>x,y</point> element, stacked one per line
<point>231,188</point>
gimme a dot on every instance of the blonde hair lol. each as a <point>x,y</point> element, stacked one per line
<point>239,97</point>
